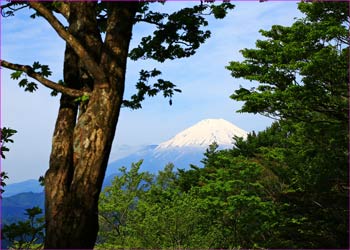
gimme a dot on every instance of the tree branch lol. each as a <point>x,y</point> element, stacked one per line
<point>12,9</point>
<point>46,82</point>
<point>160,25</point>
<point>64,9</point>
<point>92,67</point>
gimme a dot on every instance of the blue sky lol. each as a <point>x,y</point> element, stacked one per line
<point>206,84</point>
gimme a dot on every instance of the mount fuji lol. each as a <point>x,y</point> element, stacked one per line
<point>204,133</point>
<point>185,148</point>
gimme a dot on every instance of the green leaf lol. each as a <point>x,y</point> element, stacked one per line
<point>36,65</point>
<point>23,82</point>
<point>85,98</point>
<point>31,87</point>
<point>16,75</point>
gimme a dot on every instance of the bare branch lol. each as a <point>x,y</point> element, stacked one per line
<point>158,24</point>
<point>11,8</point>
<point>269,116</point>
<point>92,67</point>
<point>44,81</point>
<point>183,43</point>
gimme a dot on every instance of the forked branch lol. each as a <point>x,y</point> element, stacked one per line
<point>44,81</point>
<point>91,65</point>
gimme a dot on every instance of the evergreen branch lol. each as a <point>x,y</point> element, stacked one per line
<point>93,68</point>
<point>44,81</point>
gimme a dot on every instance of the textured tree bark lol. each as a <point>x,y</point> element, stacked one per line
<point>82,143</point>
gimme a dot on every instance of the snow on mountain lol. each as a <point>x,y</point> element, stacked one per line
<point>204,133</point>
<point>185,148</point>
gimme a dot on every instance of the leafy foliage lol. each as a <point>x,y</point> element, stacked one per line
<point>144,89</point>
<point>27,234</point>
<point>302,72</point>
<point>6,133</point>
<point>3,176</point>
<point>159,214</point>
<point>117,201</point>
<point>302,69</point>
<point>25,83</point>
<point>84,98</point>
<point>178,35</point>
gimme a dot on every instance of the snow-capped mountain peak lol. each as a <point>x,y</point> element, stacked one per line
<point>204,133</point>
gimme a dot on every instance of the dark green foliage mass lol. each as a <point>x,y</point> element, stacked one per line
<point>303,79</point>
<point>179,34</point>
<point>302,69</point>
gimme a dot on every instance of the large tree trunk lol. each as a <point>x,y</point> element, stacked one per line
<point>82,143</point>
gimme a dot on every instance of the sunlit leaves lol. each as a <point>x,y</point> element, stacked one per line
<point>16,75</point>
<point>118,201</point>
<point>82,99</point>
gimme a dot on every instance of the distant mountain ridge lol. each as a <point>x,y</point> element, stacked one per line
<point>13,207</point>
<point>185,148</point>
<point>22,187</point>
